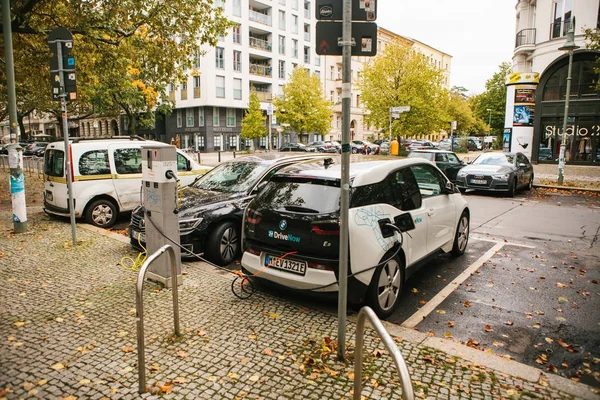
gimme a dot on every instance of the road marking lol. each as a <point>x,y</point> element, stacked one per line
<point>506,243</point>
<point>424,311</point>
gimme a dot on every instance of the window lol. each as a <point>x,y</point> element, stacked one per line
<point>128,161</point>
<point>237,89</point>
<point>197,92</point>
<point>281,44</point>
<point>294,48</point>
<point>331,73</point>
<point>237,37</point>
<point>307,32</point>
<point>331,96</point>
<point>281,69</point>
<point>281,19</point>
<point>452,158</point>
<point>318,61</point>
<point>294,23</point>
<point>220,57</point>
<point>217,142</point>
<point>184,90</point>
<point>405,190</point>
<point>201,116</point>
<point>237,8</point>
<point>230,117</point>
<point>94,162</point>
<point>318,74</point>
<point>295,4</point>
<point>215,116</point>
<point>54,163</point>
<point>220,82</point>
<point>197,58</point>
<point>181,163</point>
<point>358,100</point>
<point>179,119</point>
<point>189,117</point>
<point>237,60</point>
<point>428,179</point>
<point>377,193</point>
<point>200,140</point>
<point>306,55</point>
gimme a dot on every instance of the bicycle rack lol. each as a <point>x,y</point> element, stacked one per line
<point>139,309</point>
<point>405,380</point>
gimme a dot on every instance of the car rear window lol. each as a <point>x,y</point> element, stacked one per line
<point>54,162</point>
<point>308,195</point>
<point>427,156</point>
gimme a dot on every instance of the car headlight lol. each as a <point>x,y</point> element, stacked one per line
<point>189,224</point>
<point>462,174</point>
<point>501,176</point>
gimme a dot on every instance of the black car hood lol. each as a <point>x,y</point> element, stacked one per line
<point>194,200</point>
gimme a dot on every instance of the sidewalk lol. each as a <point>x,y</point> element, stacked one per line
<point>69,331</point>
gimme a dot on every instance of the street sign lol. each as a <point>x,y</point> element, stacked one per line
<point>64,36</point>
<point>364,35</point>
<point>332,10</point>
<point>398,110</point>
<point>60,41</point>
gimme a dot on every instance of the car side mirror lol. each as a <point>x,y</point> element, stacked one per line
<point>188,165</point>
<point>404,222</point>
<point>450,188</point>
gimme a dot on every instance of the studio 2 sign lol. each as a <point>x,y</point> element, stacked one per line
<point>572,130</point>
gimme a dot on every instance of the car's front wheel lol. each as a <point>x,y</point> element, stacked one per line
<point>530,184</point>
<point>461,238</point>
<point>101,213</point>
<point>223,243</point>
<point>385,288</point>
<point>512,188</point>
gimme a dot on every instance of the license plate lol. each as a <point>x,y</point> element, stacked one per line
<point>139,236</point>
<point>478,181</point>
<point>49,195</point>
<point>296,267</point>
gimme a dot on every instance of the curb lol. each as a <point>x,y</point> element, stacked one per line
<point>537,185</point>
<point>492,361</point>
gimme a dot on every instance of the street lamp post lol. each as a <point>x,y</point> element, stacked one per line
<point>569,47</point>
<point>490,121</point>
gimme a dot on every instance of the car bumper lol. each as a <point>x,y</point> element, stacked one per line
<point>491,184</point>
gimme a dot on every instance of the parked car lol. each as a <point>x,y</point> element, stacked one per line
<point>35,148</point>
<point>446,144</point>
<point>372,146</point>
<point>210,215</point>
<point>545,154</point>
<point>322,147</point>
<point>446,161</point>
<point>336,145</point>
<point>474,144</point>
<point>291,229</point>
<point>421,145</point>
<point>297,147</point>
<point>107,177</point>
<point>504,172</point>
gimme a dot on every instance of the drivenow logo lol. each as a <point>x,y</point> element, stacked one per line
<point>284,236</point>
<point>326,12</point>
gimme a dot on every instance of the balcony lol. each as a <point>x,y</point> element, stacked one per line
<point>560,28</point>
<point>263,96</point>
<point>196,92</point>
<point>260,44</point>
<point>184,94</point>
<point>525,41</point>
<point>259,17</point>
<point>258,69</point>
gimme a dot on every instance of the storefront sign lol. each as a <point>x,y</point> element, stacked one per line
<point>217,129</point>
<point>552,130</point>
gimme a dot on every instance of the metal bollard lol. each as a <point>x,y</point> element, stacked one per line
<point>233,153</point>
<point>219,155</point>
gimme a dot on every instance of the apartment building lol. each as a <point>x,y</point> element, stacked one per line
<point>536,92</point>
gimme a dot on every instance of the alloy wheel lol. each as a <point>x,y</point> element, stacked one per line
<point>388,287</point>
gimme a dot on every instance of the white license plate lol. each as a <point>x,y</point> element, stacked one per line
<point>296,267</point>
<point>139,236</point>
<point>478,181</point>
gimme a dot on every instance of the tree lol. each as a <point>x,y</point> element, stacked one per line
<point>303,105</point>
<point>401,76</point>
<point>253,123</point>
<point>460,111</point>
<point>493,98</point>
<point>593,35</point>
<point>123,63</point>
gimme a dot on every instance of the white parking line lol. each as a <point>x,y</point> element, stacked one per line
<point>452,286</point>
<point>506,243</point>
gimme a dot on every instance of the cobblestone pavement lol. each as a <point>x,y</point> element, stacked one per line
<point>68,330</point>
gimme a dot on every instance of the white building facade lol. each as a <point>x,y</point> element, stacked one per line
<point>535,110</point>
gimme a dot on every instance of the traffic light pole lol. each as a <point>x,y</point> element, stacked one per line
<point>63,107</point>
<point>345,195</point>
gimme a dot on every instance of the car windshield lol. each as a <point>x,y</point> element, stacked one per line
<point>495,159</point>
<point>231,177</point>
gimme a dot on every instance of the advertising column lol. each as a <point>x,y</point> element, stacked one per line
<point>520,110</point>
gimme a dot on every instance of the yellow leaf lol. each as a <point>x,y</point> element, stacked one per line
<point>127,349</point>
<point>180,380</point>
<point>233,375</point>
<point>68,398</point>
<point>182,354</point>
<point>440,311</point>
<point>132,311</point>
<point>155,368</point>
<point>244,360</point>
<point>11,338</point>
<point>58,366</point>
<point>252,336</point>
<point>212,378</point>
<point>268,352</point>
<point>563,299</point>
<point>18,323</point>
<point>274,316</point>
<point>32,392</point>
<point>166,388</point>
<point>253,378</point>
<point>58,319</point>
<point>42,382</point>
<point>84,381</point>
<point>127,369</point>
<point>447,335</point>
<point>511,392</point>
<point>122,334</point>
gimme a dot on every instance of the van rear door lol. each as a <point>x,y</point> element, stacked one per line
<point>126,169</point>
<point>55,181</point>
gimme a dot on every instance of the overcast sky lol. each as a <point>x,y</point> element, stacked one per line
<point>478,34</point>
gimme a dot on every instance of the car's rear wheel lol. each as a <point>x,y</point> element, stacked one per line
<point>223,243</point>
<point>101,213</point>
<point>530,184</point>
<point>461,238</point>
<point>354,150</point>
<point>385,288</point>
<point>512,188</point>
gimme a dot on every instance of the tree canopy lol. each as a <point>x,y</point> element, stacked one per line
<point>494,99</point>
<point>401,76</point>
<point>253,123</point>
<point>303,105</point>
<point>593,37</point>
<point>126,51</point>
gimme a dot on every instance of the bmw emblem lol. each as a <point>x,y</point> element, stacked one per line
<point>283,224</point>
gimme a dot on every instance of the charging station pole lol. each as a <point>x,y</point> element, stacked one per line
<point>160,194</point>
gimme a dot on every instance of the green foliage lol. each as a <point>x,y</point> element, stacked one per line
<point>460,111</point>
<point>493,98</point>
<point>593,37</point>
<point>253,123</point>
<point>303,105</point>
<point>401,76</point>
<point>127,51</point>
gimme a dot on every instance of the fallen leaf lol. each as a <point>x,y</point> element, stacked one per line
<point>132,311</point>
<point>212,378</point>
<point>274,316</point>
<point>18,324</point>
<point>68,398</point>
<point>268,352</point>
<point>32,392</point>
<point>561,284</point>
<point>166,388</point>
<point>179,380</point>
<point>42,382</point>
<point>233,375</point>
<point>508,323</point>
<point>127,349</point>
<point>467,304</point>
<point>379,353</point>
<point>252,336</point>
<point>254,378</point>
<point>84,381</point>
<point>58,366</point>
<point>58,319</point>
<point>28,385</point>
<point>440,311</point>
<point>182,354</point>
<point>488,328</point>
<point>155,368</point>
<point>422,302</point>
<point>450,324</point>
<point>549,340</point>
<point>201,332</point>
<point>447,335</point>
<point>10,338</point>
<point>563,299</point>
<point>122,334</point>
<point>244,360</point>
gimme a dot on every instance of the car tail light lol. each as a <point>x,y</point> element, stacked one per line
<point>329,228</point>
<point>253,251</point>
<point>320,267</point>
<point>253,217</point>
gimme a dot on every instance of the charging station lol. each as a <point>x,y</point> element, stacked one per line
<point>160,201</point>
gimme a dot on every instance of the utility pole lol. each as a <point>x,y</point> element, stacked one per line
<point>15,152</point>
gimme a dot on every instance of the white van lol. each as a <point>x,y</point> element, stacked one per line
<point>107,177</point>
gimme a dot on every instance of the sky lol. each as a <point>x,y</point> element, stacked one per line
<point>478,34</point>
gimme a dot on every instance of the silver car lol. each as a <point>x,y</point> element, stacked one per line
<point>502,172</point>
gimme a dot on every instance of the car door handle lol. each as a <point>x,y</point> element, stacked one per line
<point>431,212</point>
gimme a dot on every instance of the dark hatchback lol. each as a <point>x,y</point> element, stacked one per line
<point>210,215</point>
<point>447,161</point>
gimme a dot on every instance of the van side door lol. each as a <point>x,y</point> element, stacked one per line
<point>126,169</point>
